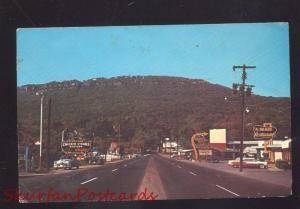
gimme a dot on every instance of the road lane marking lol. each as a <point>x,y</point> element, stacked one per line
<point>228,190</point>
<point>193,173</point>
<point>125,165</point>
<point>178,166</point>
<point>114,170</point>
<point>89,180</point>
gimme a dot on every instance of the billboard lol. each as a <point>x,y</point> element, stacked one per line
<point>217,136</point>
<point>75,143</point>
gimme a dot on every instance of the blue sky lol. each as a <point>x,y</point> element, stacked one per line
<point>193,51</point>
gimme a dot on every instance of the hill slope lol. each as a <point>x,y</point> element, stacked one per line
<point>148,108</point>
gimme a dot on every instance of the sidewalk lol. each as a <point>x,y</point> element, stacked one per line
<point>53,171</point>
<point>271,175</point>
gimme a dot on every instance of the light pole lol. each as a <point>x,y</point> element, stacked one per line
<point>242,91</point>
<point>166,139</point>
<point>119,136</point>
<point>41,128</point>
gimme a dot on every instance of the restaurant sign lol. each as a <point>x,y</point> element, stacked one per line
<point>266,131</point>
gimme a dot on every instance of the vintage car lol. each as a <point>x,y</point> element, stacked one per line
<point>98,159</point>
<point>66,162</point>
<point>248,163</point>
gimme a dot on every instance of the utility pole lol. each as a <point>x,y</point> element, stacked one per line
<point>119,139</point>
<point>119,133</point>
<point>41,128</point>
<point>48,133</point>
<point>242,91</point>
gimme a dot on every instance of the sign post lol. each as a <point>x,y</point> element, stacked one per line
<point>200,139</point>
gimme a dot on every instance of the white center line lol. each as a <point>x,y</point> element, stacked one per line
<point>228,190</point>
<point>88,180</point>
<point>193,173</point>
<point>114,170</point>
<point>178,166</point>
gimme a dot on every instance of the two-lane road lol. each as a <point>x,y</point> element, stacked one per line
<point>168,178</point>
<point>183,180</point>
<point>121,177</point>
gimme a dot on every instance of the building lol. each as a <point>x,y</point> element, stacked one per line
<point>275,150</point>
<point>170,147</point>
<point>226,149</point>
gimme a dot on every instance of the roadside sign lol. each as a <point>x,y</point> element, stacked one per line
<point>265,131</point>
<point>204,152</point>
<point>73,143</point>
<point>113,145</point>
<point>76,146</point>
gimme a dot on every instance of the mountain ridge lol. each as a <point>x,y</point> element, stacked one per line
<point>148,108</point>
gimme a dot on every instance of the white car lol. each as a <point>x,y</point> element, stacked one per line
<point>248,163</point>
<point>230,162</point>
<point>66,163</point>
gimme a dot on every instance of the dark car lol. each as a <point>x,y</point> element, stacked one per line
<point>282,164</point>
<point>213,160</point>
<point>66,162</point>
<point>97,160</point>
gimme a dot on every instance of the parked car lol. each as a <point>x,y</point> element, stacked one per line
<point>213,159</point>
<point>97,160</point>
<point>173,156</point>
<point>66,162</point>
<point>230,162</point>
<point>187,157</point>
<point>248,163</point>
<point>282,164</point>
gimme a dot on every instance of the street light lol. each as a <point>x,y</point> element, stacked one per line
<point>247,110</point>
<point>41,127</point>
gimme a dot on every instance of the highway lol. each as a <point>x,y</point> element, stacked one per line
<point>149,177</point>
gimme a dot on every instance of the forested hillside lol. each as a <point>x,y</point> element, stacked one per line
<point>148,109</point>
